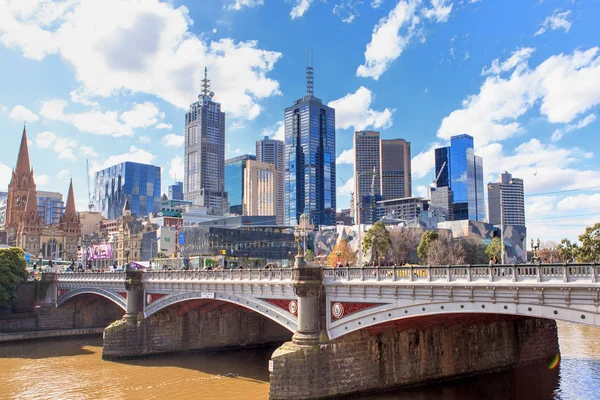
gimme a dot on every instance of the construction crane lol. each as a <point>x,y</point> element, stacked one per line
<point>90,202</point>
<point>435,181</point>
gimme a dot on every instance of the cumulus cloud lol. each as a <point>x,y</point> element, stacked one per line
<point>41,180</point>
<point>440,10</point>
<point>5,175</point>
<point>239,4</point>
<point>563,87</point>
<point>300,8</point>
<point>65,148</point>
<point>346,188</point>
<point>347,10</point>
<point>558,20</point>
<point>23,114</point>
<point>376,3</point>
<point>134,155</point>
<point>353,110</point>
<point>142,115</point>
<point>276,132</point>
<point>117,46</point>
<point>172,140</point>
<point>176,168</point>
<point>580,202</point>
<point>346,157</point>
<point>144,139</point>
<point>560,132</point>
<point>423,163</point>
<point>163,125</point>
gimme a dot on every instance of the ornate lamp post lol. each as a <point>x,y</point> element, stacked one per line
<point>127,251</point>
<point>535,246</point>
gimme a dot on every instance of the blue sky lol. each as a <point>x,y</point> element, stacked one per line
<point>111,80</point>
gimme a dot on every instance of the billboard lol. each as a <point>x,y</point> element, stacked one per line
<point>99,252</point>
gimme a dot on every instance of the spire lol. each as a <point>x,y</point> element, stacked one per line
<point>23,166</point>
<point>309,75</point>
<point>205,86</point>
<point>31,206</point>
<point>70,207</point>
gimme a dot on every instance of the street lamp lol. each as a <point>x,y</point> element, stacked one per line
<point>127,251</point>
<point>535,246</point>
<point>302,229</point>
<point>357,199</point>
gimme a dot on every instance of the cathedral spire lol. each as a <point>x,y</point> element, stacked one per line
<point>31,210</point>
<point>23,166</point>
<point>70,212</point>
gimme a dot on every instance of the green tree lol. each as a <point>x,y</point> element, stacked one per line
<point>589,251</point>
<point>494,249</point>
<point>567,251</point>
<point>378,240</point>
<point>12,273</point>
<point>423,248</point>
<point>309,255</point>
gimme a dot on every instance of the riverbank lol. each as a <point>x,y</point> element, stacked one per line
<point>34,335</point>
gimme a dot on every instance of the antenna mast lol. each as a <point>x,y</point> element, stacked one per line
<point>309,75</point>
<point>205,84</point>
<point>90,200</point>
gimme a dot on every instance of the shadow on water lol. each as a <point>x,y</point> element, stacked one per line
<point>68,346</point>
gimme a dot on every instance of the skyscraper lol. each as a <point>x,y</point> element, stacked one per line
<point>176,191</point>
<point>138,183</point>
<point>260,194</point>
<point>234,182</point>
<point>396,175</point>
<point>461,171</point>
<point>272,151</point>
<point>310,159</point>
<point>506,201</point>
<point>204,180</point>
<point>50,206</point>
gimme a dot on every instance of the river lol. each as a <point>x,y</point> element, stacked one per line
<point>73,369</point>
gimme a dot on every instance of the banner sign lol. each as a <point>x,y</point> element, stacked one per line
<point>99,252</point>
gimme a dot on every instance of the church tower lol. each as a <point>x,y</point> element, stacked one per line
<point>19,188</point>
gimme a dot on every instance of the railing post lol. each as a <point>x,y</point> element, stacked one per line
<point>594,277</point>
<point>514,274</point>
<point>539,272</point>
<point>377,274</point>
<point>411,272</point>
<point>448,269</point>
<point>469,273</point>
<point>565,276</point>
<point>308,286</point>
<point>362,274</point>
<point>395,274</point>
<point>429,273</point>
<point>135,292</point>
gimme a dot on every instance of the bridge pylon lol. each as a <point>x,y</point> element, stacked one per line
<point>308,286</point>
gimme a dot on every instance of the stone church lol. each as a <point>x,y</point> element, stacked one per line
<point>24,225</point>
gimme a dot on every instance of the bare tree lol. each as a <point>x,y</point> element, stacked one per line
<point>404,246</point>
<point>548,252</point>
<point>445,251</point>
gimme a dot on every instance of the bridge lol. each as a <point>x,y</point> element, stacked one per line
<point>342,308</point>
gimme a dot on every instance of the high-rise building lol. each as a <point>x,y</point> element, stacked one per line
<point>260,192</point>
<point>310,179</point>
<point>272,151</point>
<point>396,175</point>
<point>506,201</point>
<point>176,191</point>
<point>50,206</point>
<point>461,171</point>
<point>204,182</point>
<point>234,182</point>
<point>138,183</point>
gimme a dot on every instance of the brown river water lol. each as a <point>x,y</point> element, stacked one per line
<point>73,369</point>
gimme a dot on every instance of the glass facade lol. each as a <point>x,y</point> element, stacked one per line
<point>176,191</point>
<point>139,183</point>
<point>310,162</point>
<point>50,207</point>
<point>234,182</point>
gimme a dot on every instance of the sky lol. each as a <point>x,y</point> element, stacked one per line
<point>110,81</point>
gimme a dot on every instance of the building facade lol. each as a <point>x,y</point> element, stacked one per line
<point>272,151</point>
<point>234,182</point>
<point>310,174</point>
<point>404,209</point>
<point>461,171</point>
<point>367,174</point>
<point>50,206</point>
<point>396,174</point>
<point>176,191</point>
<point>506,201</point>
<point>140,184</point>
<point>204,179</point>
<point>260,190</point>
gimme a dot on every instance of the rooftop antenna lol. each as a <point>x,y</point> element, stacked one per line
<point>309,74</point>
<point>205,85</point>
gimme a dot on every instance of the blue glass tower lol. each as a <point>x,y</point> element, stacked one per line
<point>139,183</point>
<point>310,159</point>
<point>176,191</point>
<point>461,171</point>
<point>234,182</point>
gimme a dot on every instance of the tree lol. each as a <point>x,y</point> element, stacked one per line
<point>423,248</point>
<point>12,273</point>
<point>566,250</point>
<point>445,251</point>
<point>341,253</point>
<point>494,249</point>
<point>474,252</point>
<point>548,252</point>
<point>404,247</point>
<point>378,240</point>
<point>161,255</point>
<point>309,255</point>
<point>589,251</point>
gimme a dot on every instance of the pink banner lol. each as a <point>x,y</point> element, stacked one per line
<point>99,252</point>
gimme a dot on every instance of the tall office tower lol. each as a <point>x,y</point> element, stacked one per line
<point>260,192</point>
<point>50,206</point>
<point>461,171</point>
<point>138,183</point>
<point>506,201</point>
<point>234,182</point>
<point>204,180</point>
<point>396,176</point>
<point>176,191</point>
<point>272,151</point>
<point>310,159</point>
<point>367,178</point>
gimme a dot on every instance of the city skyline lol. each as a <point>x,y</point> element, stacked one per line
<point>498,92</point>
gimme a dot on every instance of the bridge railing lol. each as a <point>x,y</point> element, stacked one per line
<point>250,274</point>
<point>584,273</point>
<point>91,277</point>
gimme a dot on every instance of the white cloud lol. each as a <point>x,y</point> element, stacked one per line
<point>563,86</point>
<point>3,108</point>
<point>239,4</point>
<point>376,3</point>
<point>560,132</point>
<point>346,188</point>
<point>555,21</point>
<point>23,114</point>
<point>347,10</point>
<point>172,140</point>
<point>64,148</point>
<point>423,163</point>
<point>78,96</point>
<point>422,191</point>
<point>88,151</point>
<point>353,110</point>
<point>163,125</point>
<point>300,8</point>
<point>63,174</point>
<point>440,10</point>
<point>134,155</point>
<point>144,139</point>
<point>45,139</point>
<point>5,175</point>
<point>517,60</point>
<point>580,202</point>
<point>276,132</point>
<point>346,157</point>
<point>142,115</point>
<point>387,41</point>
<point>117,46</point>
<point>41,180</point>
<point>176,168</point>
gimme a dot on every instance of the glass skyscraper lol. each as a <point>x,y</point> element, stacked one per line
<point>176,191</point>
<point>461,171</point>
<point>310,159</point>
<point>139,183</point>
<point>50,206</point>
<point>271,151</point>
<point>234,182</point>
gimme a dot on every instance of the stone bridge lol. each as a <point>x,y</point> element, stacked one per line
<point>370,323</point>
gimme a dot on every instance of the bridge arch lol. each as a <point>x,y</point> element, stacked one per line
<point>115,298</point>
<point>263,308</point>
<point>581,314</point>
